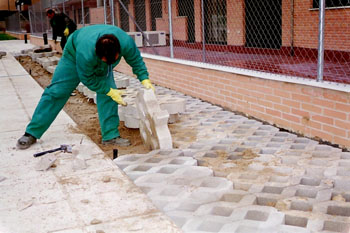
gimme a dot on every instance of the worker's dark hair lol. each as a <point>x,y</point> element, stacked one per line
<point>108,46</point>
<point>50,11</point>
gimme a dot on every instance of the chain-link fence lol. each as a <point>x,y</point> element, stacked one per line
<point>17,23</point>
<point>74,9</point>
<point>274,36</point>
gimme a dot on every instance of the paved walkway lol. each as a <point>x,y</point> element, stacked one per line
<point>83,192</point>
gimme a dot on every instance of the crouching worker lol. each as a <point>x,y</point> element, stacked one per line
<point>89,57</point>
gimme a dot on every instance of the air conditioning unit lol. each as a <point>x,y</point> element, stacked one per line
<point>137,37</point>
<point>155,38</point>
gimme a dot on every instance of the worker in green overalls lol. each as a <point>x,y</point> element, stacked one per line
<point>89,57</point>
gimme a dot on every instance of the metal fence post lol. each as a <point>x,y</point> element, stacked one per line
<point>320,59</point>
<point>41,17</point>
<point>170,31</point>
<point>82,12</point>
<point>112,11</point>
<point>30,20</point>
<point>203,32</point>
<point>19,21</point>
<point>105,11</point>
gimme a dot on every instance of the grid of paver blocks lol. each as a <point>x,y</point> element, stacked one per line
<point>235,174</point>
<point>230,173</point>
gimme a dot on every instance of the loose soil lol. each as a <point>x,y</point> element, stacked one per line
<point>84,113</point>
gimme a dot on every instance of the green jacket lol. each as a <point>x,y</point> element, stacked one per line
<point>92,71</point>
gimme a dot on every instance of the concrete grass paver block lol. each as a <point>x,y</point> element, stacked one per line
<point>153,121</point>
<point>131,122</point>
<point>172,104</point>
<point>51,69</point>
<point>45,162</point>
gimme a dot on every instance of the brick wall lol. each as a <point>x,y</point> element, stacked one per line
<point>311,111</point>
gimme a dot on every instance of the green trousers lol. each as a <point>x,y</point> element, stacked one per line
<point>55,96</point>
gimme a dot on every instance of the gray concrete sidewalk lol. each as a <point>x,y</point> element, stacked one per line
<point>83,192</point>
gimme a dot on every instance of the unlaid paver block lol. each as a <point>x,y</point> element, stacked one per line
<point>153,121</point>
<point>131,121</point>
<point>122,82</point>
<point>45,162</point>
<point>51,69</point>
<point>173,105</point>
<point>80,87</point>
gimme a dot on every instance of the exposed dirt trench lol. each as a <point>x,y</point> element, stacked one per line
<point>84,114</point>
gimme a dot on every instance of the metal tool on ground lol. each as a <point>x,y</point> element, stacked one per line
<point>64,148</point>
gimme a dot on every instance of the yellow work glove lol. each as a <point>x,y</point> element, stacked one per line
<point>116,95</point>
<point>148,84</point>
<point>66,32</point>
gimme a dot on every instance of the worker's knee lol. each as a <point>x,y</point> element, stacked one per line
<point>58,92</point>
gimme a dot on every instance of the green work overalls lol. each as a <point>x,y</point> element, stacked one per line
<point>79,63</point>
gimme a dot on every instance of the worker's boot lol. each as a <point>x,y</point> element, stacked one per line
<point>25,141</point>
<point>117,142</point>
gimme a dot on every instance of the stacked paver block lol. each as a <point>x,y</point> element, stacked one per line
<point>153,121</point>
<point>47,62</point>
<point>129,114</point>
<point>121,80</point>
<point>51,69</point>
<point>35,56</point>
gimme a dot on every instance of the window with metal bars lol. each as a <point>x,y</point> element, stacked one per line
<point>331,3</point>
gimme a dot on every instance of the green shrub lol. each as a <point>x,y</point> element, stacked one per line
<point>4,36</point>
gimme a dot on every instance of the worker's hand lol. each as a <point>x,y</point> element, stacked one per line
<point>116,95</point>
<point>147,83</point>
<point>66,32</point>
